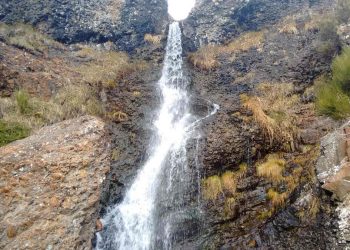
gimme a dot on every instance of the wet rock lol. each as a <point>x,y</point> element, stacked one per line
<point>50,185</point>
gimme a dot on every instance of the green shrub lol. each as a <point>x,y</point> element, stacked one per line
<point>333,95</point>
<point>341,70</point>
<point>10,132</point>
<point>328,42</point>
<point>331,100</point>
<point>22,101</point>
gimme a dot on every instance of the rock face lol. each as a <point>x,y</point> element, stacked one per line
<point>122,21</point>
<point>333,171</point>
<point>218,21</point>
<point>50,186</point>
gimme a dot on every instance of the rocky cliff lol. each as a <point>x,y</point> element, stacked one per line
<point>257,60</point>
<point>123,22</point>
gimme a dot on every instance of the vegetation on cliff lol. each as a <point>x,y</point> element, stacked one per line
<point>58,82</point>
<point>333,94</point>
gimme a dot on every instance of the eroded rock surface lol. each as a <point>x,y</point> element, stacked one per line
<point>333,171</point>
<point>50,186</point>
<point>122,21</point>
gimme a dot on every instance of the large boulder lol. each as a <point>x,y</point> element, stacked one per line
<point>50,186</point>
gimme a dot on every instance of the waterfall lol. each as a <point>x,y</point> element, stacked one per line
<point>145,218</point>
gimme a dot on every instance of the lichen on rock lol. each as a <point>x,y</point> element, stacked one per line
<point>50,185</point>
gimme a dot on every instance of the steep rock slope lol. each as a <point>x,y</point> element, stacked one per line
<point>122,21</point>
<point>218,21</point>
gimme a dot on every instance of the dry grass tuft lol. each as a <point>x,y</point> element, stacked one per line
<point>119,116</point>
<point>255,105</point>
<point>272,169</point>
<point>153,39</point>
<point>206,57</point>
<point>77,100</point>
<point>277,199</point>
<point>24,36</point>
<point>245,42</point>
<point>229,183</point>
<point>288,26</point>
<point>225,184</point>
<point>31,113</point>
<point>107,67</point>
<point>229,207</point>
<point>274,111</point>
<point>314,207</point>
<point>212,188</point>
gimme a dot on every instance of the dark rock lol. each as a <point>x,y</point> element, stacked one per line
<point>122,22</point>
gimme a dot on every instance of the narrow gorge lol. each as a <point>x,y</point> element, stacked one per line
<point>174,124</point>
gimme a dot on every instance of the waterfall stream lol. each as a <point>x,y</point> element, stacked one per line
<point>147,217</point>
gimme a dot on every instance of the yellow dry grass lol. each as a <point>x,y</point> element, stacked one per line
<point>107,67</point>
<point>277,199</point>
<point>229,206</point>
<point>228,181</point>
<point>288,26</point>
<point>153,39</point>
<point>24,36</point>
<point>254,104</point>
<point>274,110</point>
<point>206,58</point>
<point>211,188</point>
<point>245,42</point>
<point>71,101</point>
<point>315,21</point>
<point>272,169</point>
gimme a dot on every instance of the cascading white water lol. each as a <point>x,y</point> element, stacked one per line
<point>130,225</point>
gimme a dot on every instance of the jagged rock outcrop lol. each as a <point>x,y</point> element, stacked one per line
<point>50,186</point>
<point>124,22</point>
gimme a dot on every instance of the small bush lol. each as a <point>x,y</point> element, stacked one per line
<point>341,70</point>
<point>331,100</point>
<point>332,95</point>
<point>22,100</point>
<point>10,132</point>
<point>328,42</point>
